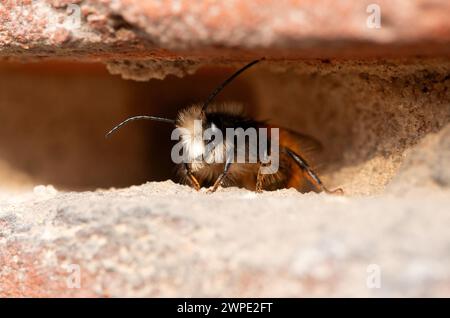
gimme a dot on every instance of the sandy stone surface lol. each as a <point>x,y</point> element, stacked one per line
<point>164,239</point>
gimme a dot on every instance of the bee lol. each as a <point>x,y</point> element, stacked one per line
<point>294,171</point>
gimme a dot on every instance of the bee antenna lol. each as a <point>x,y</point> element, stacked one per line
<point>126,121</point>
<point>226,82</point>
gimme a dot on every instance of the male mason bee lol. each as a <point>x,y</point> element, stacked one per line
<point>293,170</point>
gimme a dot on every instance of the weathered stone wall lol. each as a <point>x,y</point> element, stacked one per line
<point>378,99</point>
<point>150,39</point>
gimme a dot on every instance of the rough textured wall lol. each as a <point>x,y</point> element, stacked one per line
<point>378,99</point>
<point>143,39</point>
<point>140,241</point>
<point>365,115</point>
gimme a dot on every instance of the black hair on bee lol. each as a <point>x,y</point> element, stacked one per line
<point>293,171</point>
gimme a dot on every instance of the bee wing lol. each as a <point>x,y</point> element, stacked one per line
<point>299,142</point>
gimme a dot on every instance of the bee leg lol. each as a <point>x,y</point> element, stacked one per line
<point>191,177</point>
<point>260,179</point>
<point>310,174</point>
<point>220,178</point>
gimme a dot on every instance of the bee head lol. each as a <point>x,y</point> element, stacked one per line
<point>192,122</point>
<point>197,132</point>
